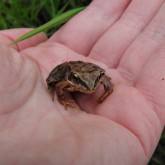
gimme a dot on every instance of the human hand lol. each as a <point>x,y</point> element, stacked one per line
<point>125,128</point>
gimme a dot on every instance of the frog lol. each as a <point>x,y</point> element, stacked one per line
<point>77,76</point>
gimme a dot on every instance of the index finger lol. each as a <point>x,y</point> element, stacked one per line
<point>81,33</point>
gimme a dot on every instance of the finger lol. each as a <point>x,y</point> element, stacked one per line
<point>151,82</point>
<point>143,47</point>
<point>8,36</point>
<point>49,54</point>
<point>81,33</point>
<point>111,46</point>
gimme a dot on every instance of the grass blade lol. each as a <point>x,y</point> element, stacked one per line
<point>54,22</point>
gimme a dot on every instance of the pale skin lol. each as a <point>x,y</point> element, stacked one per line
<point>128,40</point>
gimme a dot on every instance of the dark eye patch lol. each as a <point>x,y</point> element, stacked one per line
<point>74,77</point>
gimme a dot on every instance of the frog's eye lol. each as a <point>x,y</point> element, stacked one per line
<point>75,75</point>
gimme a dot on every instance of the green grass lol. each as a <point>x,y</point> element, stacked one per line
<point>159,156</point>
<point>34,13</point>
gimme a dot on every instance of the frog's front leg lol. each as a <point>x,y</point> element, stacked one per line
<point>108,87</point>
<point>63,96</point>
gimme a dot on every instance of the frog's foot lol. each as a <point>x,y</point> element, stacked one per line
<point>67,101</point>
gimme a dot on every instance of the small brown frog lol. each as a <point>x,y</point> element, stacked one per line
<point>77,76</point>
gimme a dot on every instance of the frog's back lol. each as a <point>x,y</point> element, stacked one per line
<point>84,67</point>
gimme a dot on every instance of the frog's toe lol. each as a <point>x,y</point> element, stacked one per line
<point>71,103</point>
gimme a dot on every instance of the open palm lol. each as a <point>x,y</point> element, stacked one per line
<point>128,42</point>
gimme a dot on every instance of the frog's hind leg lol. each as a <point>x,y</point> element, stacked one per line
<point>108,87</point>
